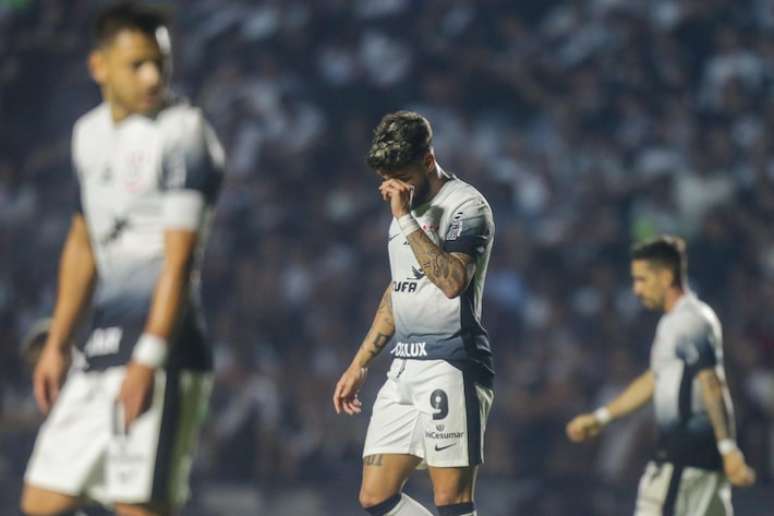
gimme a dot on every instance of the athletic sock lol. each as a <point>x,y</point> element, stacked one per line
<point>399,505</point>
<point>458,509</point>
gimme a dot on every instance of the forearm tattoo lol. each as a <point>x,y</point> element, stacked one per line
<point>382,328</point>
<point>715,404</point>
<point>446,271</point>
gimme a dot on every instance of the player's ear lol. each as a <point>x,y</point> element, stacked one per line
<point>97,66</point>
<point>667,277</point>
<point>429,162</point>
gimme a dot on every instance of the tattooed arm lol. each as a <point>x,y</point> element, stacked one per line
<point>451,272</point>
<point>718,405</point>
<point>715,403</point>
<point>382,329</point>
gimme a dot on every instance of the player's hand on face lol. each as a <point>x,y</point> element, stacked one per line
<point>399,194</point>
<point>737,470</point>
<point>583,427</point>
<point>49,374</point>
<point>345,395</point>
<point>136,391</point>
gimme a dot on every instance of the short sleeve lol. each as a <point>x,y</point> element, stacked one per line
<point>192,172</point>
<point>76,201</point>
<point>695,348</point>
<point>470,229</point>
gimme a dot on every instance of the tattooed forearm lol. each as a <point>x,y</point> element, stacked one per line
<point>715,403</point>
<point>376,345</point>
<point>447,271</point>
<point>380,333</point>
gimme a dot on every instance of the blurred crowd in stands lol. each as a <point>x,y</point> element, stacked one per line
<point>588,124</point>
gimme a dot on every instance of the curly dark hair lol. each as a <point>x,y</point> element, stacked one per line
<point>665,251</point>
<point>400,139</point>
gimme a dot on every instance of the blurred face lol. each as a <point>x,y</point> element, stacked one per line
<point>650,284</point>
<point>415,175</point>
<point>131,72</point>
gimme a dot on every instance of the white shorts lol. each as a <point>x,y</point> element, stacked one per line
<point>82,451</point>
<point>432,410</point>
<point>667,490</point>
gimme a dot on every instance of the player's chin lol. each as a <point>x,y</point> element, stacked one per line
<point>149,104</point>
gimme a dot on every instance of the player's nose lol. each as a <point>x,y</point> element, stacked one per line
<point>151,75</point>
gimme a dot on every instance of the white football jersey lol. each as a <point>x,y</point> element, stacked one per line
<point>428,325</point>
<point>688,340</point>
<point>138,178</point>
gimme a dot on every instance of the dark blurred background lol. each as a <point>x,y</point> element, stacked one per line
<point>587,125</point>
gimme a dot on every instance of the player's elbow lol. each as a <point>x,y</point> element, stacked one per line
<point>453,291</point>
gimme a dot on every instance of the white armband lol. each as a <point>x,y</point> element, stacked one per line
<point>408,224</point>
<point>150,350</point>
<point>727,445</point>
<point>603,416</point>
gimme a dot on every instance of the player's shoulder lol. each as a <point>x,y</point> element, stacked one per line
<point>95,121</point>
<point>691,315</point>
<point>463,193</point>
<point>180,117</point>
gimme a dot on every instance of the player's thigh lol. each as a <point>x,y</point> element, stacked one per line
<point>658,489</point>
<point>454,408</point>
<point>453,485</point>
<point>151,463</point>
<point>36,501</point>
<point>701,493</point>
<point>384,476</point>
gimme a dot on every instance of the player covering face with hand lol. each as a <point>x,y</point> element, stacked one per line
<point>432,410</point>
<point>696,456</point>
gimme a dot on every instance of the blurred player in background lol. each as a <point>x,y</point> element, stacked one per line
<point>696,455</point>
<point>432,410</point>
<point>121,429</point>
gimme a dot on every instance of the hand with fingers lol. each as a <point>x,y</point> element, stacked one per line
<point>399,194</point>
<point>345,395</point>
<point>136,392</point>
<point>49,375</point>
<point>737,470</point>
<point>583,427</point>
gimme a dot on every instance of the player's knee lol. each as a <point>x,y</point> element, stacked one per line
<point>450,496</point>
<point>32,504</point>
<point>369,499</point>
<point>379,505</point>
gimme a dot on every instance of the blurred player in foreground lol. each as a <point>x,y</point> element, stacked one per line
<point>121,428</point>
<point>432,410</point>
<point>697,454</point>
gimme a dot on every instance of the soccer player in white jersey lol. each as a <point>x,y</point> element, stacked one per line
<point>432,410</point>
<point>696,456</point>
<point>121,427</point>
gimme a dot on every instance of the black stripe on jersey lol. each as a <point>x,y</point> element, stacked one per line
<point>670,502</point>
<point>471,245</point>
<point>473,417</point>
<point>474,336</point>
<point>170,422</point>
<point>686,394</point>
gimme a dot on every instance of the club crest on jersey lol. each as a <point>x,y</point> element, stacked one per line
<point>409,349</point>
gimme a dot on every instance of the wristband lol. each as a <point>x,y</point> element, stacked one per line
<point>150,350</point>
<point>408,224</point>
<point>726,446</point>
<point>603,416</point>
